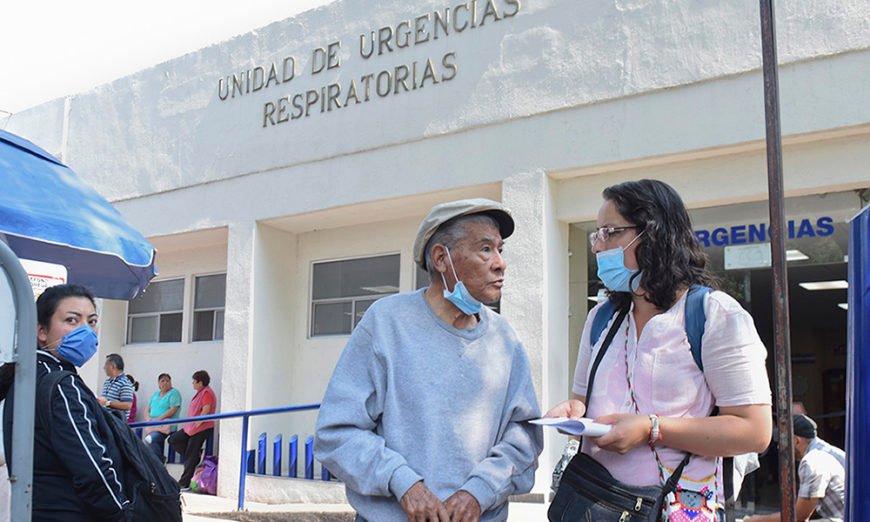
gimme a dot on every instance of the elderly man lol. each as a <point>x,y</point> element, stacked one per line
<point>425,417</point>
<point>117,390</point>
<point>822,476</point>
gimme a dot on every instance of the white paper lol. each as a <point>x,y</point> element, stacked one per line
<point>585,427</point>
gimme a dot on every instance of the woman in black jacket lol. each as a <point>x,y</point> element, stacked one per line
<point>77,473</point>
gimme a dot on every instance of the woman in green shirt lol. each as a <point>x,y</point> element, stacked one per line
<point>164,404</point>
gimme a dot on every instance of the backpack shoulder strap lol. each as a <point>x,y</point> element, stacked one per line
<point>599,323</point>
<point>696,317</point>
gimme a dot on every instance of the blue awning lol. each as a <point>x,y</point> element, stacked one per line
<point>47,213</point>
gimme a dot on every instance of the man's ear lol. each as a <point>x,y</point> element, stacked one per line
<point>439,257</point>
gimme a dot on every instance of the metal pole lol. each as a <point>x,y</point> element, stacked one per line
<point>782,344</point>
<point>24,355</point>
<point>243,468</point>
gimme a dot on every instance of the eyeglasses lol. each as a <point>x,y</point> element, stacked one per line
<point>604,234</point>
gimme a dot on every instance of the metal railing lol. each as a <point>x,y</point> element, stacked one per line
<point>245,415</point>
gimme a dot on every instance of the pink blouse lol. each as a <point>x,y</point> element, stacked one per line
<point>667,381</point>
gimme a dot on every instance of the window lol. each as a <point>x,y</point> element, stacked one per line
<point>155,316</point>
<point>343,290</point>
<point>209,299</point>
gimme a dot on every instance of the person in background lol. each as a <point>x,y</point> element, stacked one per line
<point>77,468</point>
<point>117,391</point>
<point>133,382</point>
<point>164,404</point>
<point>189,440</point>
<point>822,475</point>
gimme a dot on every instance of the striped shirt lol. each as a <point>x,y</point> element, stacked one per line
<point>118,389</point>
<point>823,477</point>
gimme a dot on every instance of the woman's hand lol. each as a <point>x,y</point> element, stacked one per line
<point>573,409</point>
<point>628,431</point>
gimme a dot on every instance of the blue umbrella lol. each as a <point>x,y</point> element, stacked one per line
<point>48,214</point>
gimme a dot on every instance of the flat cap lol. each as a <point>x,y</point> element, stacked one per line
<point>440,214</point>
<point>804,427</point>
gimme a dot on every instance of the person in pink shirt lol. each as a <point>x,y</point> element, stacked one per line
<point>648,386</point>
<point>188,441</point>
<point>133,382</point>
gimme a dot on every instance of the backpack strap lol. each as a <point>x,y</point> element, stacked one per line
<point>696,318</point>
<point>602,317</point>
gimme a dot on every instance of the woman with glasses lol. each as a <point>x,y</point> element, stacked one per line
<point>647,386</point>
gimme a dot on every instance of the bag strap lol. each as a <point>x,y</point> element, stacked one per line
<point>607,340</point>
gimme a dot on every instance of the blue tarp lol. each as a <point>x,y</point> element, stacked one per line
<point>48,214</point>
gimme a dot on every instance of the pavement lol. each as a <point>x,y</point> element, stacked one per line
<point>205,508</point>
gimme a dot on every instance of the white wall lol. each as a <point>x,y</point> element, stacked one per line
<point>165,128</point>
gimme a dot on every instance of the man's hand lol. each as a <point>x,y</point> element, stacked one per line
<point>627,431</point>
<point>463,507</point>
<point>572,409</point>
<point>101,400</point>
<point>422,506</point>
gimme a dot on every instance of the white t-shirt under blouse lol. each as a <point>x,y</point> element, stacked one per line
<point>667,381</point>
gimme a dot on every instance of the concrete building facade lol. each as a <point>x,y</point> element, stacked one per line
<point>326,137</point>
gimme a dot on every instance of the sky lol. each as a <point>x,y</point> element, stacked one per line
<point>53,48</point>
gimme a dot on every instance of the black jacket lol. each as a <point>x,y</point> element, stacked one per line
<point>77,471</point>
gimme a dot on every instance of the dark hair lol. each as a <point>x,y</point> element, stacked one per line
<point>162,375</point>
<point>116,360</point>
<point>668,254</point>
<point>49,300</point>
<point>202,376</point>
<point>133,381</point>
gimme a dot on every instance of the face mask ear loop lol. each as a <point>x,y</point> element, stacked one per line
<point>443,280</point>
<point>452,268</point>
<point>633,240</point>
<point>53,348</point>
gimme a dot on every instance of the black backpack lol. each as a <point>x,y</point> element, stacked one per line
<point>152,492</point>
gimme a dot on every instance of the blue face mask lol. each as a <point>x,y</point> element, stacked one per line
<point>78,346</point>
<point>460,296</point>
<point>613,272</point>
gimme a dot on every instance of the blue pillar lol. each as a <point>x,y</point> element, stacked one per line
<point>138,433</point>
<point>251,466</point>
<point>247,463</point>
<point>209,444</point>
<point>261,455</point>
<point>277,447</point>
<point>858,368</point>
<point>171,456</point>
<point>309,458</point>
<point>325,474</point>
<point>293,456</point>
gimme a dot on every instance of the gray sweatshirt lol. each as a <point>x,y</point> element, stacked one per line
<point>413,398</point>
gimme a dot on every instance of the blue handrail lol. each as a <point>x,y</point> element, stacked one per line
<point>245,415</point>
